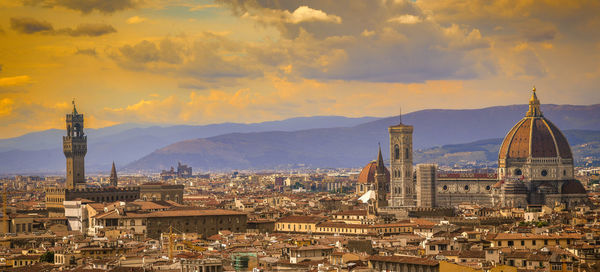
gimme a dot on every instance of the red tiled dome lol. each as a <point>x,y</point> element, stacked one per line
<point>367,175</point>
<point>535,136</point>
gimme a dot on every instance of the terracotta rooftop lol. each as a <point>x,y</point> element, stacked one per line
<point>405,259</point>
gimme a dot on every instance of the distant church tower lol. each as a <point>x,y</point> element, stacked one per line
<point>114,181</point>
<point>402,183</point>
<point>75,148</point>
<point>380,182</point>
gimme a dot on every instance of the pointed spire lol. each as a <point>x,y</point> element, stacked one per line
<point>534,106</point>
<point>380,164</point>
<point>113,175</point>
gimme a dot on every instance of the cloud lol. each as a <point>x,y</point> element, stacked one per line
<point>14,81</point>
<point>87,52</point>
<point>202,7</point>
<point>208,57</point>
<point>306,14</point>
<point>405,19</point>
<point>28,25</point>
<point>87,6</point>
<point>90,30</point>
<point>379,41</point>
<point>135,20</point>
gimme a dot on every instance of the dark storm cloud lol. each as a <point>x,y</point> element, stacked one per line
<point>86,6</point>
<point>28,25</point>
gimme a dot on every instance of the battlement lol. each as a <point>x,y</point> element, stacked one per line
<point>105,190</point>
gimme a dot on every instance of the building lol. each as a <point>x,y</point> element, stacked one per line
<point>426,185</point>
<point>535,167</point>
<point>536,163</point>
<point>402,186</point>
<point>75,148</point>
<point>162,191</point>
<point>201,264</point>
<point>153,224</point>
<point>183,171</point>
<point>403,264</point>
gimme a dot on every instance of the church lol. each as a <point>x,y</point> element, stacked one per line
<point>535,167</point>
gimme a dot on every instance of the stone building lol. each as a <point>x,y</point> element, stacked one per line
<point>366,179</point>
<point>535,158</point>
<point>535,166</point>
<point>162,191</point>
<point>75,148</point>
<point>402,183</point>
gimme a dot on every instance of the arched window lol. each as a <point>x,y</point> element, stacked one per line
<point>396,152</point>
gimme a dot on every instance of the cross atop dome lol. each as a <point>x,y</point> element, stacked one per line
<point>534,106</point>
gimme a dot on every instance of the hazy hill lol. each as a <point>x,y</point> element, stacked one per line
<point>353,146</point>
<point>42,151</point>
<point>314,141</point>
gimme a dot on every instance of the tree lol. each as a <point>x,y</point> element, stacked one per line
<point>47,257</point>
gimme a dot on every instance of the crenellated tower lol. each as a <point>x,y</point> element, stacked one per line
<point>75,148</point>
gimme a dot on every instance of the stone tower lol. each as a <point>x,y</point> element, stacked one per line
<point>114,181</point>
<point>402,184</point>
<point>75,148</point>
<point>380,182</point>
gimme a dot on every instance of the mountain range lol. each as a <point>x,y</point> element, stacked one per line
<point>322,141</point>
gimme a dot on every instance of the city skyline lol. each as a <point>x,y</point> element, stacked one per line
<point>210,62</point>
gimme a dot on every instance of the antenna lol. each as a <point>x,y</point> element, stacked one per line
<point>400,116</point>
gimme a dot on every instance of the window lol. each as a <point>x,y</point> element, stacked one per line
<point>431,247</point>
<point>396,152</point>
<point>557,266</point>
<point>533,242</point>
<point>466,187</point>
<point>518,172</point>
<point>522,242</point>
<point>511,243</point>
<point>132,222</point>
<point>544,173</point>
<point>445,188</point>
<point>406,154</point>
<point>499,243</point>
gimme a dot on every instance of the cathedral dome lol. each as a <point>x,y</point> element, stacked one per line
<point>367,175</point>
<point>534,136</point>
<point>573,187</point>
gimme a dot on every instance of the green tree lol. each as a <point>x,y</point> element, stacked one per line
<point>48,257</point>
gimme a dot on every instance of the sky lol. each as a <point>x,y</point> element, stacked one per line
<point>203,62</point>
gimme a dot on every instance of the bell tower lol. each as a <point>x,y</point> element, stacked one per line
<point>402,183</point>
<point>75,148</point>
